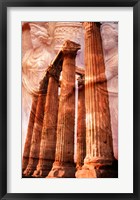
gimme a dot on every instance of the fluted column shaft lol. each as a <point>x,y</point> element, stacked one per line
<point>36,137</point>
<point>27,145</point>
<point>99,146</point>
<point>98,129</point>
<point>81,126</point>
<point>65,129</point>
<point>48,139</point>
<point>64,157</point>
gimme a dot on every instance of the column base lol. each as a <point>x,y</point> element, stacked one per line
<point>43,169</point>
<point>24,163</point>
<point>40,173</point>
<point>28,172</point>
<point>62,171</point>
<point>31,167</point>
<point>97,170</point>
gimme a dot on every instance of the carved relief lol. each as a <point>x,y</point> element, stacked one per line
<point>37,59</point>
<point>70,48</point>
<point>37,55</point>
<point>65,31</point>
<point>109,33</point>
<point>70,31</point>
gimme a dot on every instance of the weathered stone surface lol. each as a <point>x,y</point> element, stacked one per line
<point>99,171</point>
<point>48,138</point>
<point>99,145</point>
<point>29,133</point>
<point>64,157</point>
<point>62,170</point>
<point>81,126</point>
<point>36,137</point>
<point>109,33</point>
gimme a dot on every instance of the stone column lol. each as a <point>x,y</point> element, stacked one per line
<point>99,148</point>
<point>36,137</point>
<point>48,138</point>
<point>27,145</point>
<point>81,127</point>
<point>64,157</point>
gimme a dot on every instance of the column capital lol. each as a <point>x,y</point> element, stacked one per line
<point>55,72</point>
<point>43,85</point>
<point>67,30</point>
<point>90,26</point>
<point>70,47</point>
